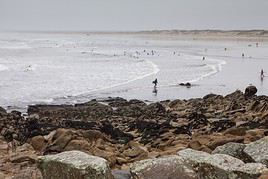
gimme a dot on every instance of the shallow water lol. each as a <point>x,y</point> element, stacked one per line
<point>69,68</point>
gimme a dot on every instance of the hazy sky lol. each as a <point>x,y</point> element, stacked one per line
<point>121,15</point>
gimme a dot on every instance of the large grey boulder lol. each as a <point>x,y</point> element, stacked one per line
<point>74,165</point>
<point>169,167</point>
<point>258,150</point>
<point>220,166</point>
<point>235,150</point>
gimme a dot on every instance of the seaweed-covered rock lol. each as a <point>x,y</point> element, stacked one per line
<point>250,91</point>
<point>218,125</point>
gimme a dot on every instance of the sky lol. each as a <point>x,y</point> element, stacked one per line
<point>132,15</point>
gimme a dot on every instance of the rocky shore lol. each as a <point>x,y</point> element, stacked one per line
<point>211,137</point>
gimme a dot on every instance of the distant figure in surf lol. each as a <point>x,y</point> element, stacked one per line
<point>204,58</point>
<point>155,91</point>
<point>28,68</point>
<point>155,82</point>
<point>257,44</point>
<point>225,49</point>
<point>262,73</point>
<point>243,55</point>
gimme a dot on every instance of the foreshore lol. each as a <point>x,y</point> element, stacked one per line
<point>126,131</point>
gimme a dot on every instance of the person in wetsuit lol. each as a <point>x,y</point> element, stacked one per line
<point>155,82</point>
<point>262,73</point>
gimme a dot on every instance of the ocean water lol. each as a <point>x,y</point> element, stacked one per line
<point>67,68</point>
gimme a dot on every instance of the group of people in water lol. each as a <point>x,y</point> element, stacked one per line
<point>155,82</point>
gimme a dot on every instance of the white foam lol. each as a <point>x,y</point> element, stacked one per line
<point>154,71</point>
<point>13,45</point>
<point>215,68</point>
<point>3,67</point>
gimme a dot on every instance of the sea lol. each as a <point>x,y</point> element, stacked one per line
<point>68,68</point>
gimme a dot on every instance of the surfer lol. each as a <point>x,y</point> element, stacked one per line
<point>155,82</point>
<point>204,58</point>
<point>243,55</point>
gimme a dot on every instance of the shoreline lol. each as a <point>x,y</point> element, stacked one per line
<point>221,35</point>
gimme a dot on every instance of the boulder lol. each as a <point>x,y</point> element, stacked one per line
<point>195,144</point>
<point>60,140</point>
<point>235,150</point>
<point>250,91</point>
<point>2,175</point>
<point>254,135</point>
<point>226,139</point>
<point>218,125</point>
<point>167,167</point>
<point>121,174</point>
<point>38,143</point>
<point>2,110</point>
<point>155,108</point>
<point>236,131</point>
<point>222,166</point>
<point>29,158</point>
<point>258,150</point>
<point>237,95</point>
<point>74,165</point>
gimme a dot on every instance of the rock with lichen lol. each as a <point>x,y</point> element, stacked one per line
<point>235,150</point>
<point>172,167</point>
<point>258,150</point>
<point>74,165</point>
<point>222,166</point>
